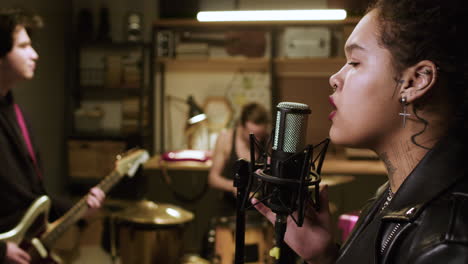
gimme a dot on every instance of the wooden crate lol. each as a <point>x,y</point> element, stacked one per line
<point>92,159</point>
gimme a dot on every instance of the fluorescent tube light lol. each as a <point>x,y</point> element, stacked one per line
<point>272,15</point>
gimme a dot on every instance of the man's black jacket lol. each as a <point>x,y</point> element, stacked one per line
<point>19,183</point>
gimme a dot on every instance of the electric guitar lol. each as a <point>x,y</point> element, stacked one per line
<point>35,235</point>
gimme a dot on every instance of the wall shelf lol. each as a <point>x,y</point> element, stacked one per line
<point>215,65</point>
<point>99,92</point>
<point>284,67</point>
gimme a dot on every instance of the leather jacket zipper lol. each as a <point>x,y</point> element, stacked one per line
<point>389,238</point>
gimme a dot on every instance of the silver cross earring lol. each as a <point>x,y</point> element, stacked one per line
<point>405,114</point>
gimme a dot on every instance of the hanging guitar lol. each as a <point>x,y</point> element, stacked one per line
<point>36,236</point>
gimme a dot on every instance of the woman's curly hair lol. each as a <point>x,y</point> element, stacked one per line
<point>416,30</point>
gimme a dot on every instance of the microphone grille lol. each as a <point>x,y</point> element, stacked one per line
<point>293,105</point>
<point>295,127</point>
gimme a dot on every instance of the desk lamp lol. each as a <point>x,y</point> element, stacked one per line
<point>196,114</point>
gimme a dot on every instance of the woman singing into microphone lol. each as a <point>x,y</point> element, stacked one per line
<point>403,94</point>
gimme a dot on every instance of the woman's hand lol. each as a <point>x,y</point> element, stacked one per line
<point>16,255</point>
<point>313,241</point>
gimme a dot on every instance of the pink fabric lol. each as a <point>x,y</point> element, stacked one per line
<point>346,223</point>
<point>27,139</point>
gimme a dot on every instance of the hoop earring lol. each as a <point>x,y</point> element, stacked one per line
<point>405,114</point>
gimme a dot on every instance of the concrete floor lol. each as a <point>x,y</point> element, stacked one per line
<point>93,254</point>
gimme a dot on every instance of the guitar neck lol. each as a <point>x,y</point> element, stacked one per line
<point>77,211</point>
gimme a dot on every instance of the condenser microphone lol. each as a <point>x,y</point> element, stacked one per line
<point>288,156</point>
<point>288,162</point>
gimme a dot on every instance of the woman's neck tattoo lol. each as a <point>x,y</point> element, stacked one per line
<point>391,169</point>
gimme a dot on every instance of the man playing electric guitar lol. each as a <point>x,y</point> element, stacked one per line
<point>36,235</point>
<point>21,174</point>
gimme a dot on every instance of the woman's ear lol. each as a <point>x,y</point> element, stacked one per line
<point>418,80</point>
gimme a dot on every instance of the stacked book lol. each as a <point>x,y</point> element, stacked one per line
<point>131,71</point>
<point>192,50</point>
<point>131,114</point>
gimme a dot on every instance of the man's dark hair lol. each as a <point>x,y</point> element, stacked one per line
<point>10,19</point>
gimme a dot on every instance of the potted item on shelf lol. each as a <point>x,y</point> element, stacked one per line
<point>134,27</point>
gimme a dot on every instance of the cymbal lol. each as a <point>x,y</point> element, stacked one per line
<point>194,259</point>
<point>148,212</point>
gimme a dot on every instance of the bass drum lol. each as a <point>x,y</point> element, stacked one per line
<point>259,239</point>
<point>150,233</point>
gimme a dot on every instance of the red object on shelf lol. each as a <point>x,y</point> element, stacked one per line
<point>346,223</point>
<point>186,155</point>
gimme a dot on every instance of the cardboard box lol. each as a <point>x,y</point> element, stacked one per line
<point>306,42</point>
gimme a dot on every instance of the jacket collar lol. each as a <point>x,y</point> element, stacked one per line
<point>440,169</point>
<point>6,100</point>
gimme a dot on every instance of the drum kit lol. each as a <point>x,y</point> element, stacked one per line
<point>144,232</point>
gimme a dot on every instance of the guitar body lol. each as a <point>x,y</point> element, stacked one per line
<point>34,218</point>
<point>28,231</point>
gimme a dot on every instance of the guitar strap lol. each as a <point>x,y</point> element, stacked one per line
<point>27,139</point>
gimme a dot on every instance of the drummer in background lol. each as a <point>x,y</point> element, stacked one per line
<point>233,144</point>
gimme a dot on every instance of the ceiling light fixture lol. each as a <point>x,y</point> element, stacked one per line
<point>272,15</point>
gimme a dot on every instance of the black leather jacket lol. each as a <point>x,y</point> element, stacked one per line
<point>427,219</point>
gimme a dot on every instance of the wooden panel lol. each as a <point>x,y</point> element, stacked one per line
<point>313,92</point>
<point>92,159</point>
<point>308,68</point>
<point>307,81</point>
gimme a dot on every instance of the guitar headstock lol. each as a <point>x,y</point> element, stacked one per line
<point>128,162</point>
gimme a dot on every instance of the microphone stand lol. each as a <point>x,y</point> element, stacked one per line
<point>241,178</point>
